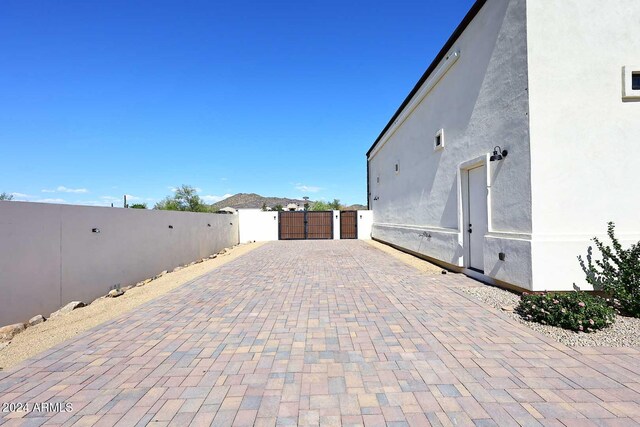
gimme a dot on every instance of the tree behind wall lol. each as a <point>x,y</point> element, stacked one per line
<point>185,198</point>
<point>321,206</point>
<point>335,205</point>
<point>6,196</point>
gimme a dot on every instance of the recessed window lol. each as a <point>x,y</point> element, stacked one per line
<point>378,180</point>
<point>635,81</point>
<point>631,83</point>
<point>438,140</point>
<point>397,168</point>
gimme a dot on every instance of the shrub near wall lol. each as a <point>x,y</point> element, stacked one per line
<point>617,273</point>
<point>578,311</point>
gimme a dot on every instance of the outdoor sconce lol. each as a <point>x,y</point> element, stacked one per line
<point>208,225</point>
<point>95,230</point>
<point>336,216</point>
<point>376,198</point>
<point>171,226</point>
<point>498,154</point>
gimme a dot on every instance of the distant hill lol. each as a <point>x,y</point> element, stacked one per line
<point>254,201</point>
<point>355,207</point>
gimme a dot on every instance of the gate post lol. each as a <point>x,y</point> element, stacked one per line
<point>336,225</point>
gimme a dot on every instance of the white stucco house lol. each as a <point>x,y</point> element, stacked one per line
<point>556,86</point>
<point>294,207</point>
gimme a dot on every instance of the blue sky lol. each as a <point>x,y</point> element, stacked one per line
<point>281,98</point>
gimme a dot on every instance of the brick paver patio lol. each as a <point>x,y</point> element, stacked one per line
<point>323,333</point>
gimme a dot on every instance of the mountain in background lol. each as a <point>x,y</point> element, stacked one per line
<point>256,201</point>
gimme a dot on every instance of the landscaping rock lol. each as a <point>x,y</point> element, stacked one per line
<point>144,282</point>
<point>68,308</point>
<point>507,308</point>
<point>35,320</point>
<point>162,273</point>
<point>9,331</point>
<point>213,256</point>
<point>623,333</point>
<point>114,293</point>
<point>3,345</point>
<point>178,268</point>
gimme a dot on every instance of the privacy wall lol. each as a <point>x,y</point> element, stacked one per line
<point>52,254</point>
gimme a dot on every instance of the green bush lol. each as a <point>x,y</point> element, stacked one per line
<point>617,273</point>
<point>578,311</point>
<point>185,198</point>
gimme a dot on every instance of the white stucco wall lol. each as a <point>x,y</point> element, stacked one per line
<point>259,226</point>
<point>365,223</point>
<point>480,102</point>
<point>585,137</point>
<point>50,256</point>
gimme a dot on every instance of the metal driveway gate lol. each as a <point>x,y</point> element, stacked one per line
<point>305,225</point>
<point>348,224</point>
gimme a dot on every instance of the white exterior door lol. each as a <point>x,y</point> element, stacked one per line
<point>476,226</point>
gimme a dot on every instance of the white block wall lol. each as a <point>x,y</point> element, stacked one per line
<point>258,226</point>
<point>49,255</point>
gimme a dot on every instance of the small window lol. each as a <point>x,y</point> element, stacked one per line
<point>438,140</point>
<point>635,81</point>
<point>378,180</point>
<point>397,168</point>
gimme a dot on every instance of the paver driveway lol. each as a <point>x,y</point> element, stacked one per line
<point>323,332</point>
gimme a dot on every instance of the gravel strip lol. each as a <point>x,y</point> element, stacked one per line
<point>625,332</point>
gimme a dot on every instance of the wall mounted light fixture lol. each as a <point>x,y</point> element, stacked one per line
<point>498,154</point>
<point>95,230</point>
<point>171,226</point>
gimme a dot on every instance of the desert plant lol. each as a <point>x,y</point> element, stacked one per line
<point>278,208</point>
<point>617,273</point>
<point>6,196</point>
<point>578,311</point>
<point>138,206</point>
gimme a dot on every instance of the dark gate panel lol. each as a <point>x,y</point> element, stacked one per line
<point>319,225</point>
<point>348,224</point>
<point>305,225</point>
<point>292,226</point>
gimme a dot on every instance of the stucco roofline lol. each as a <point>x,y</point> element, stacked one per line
<point>443,52</point>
